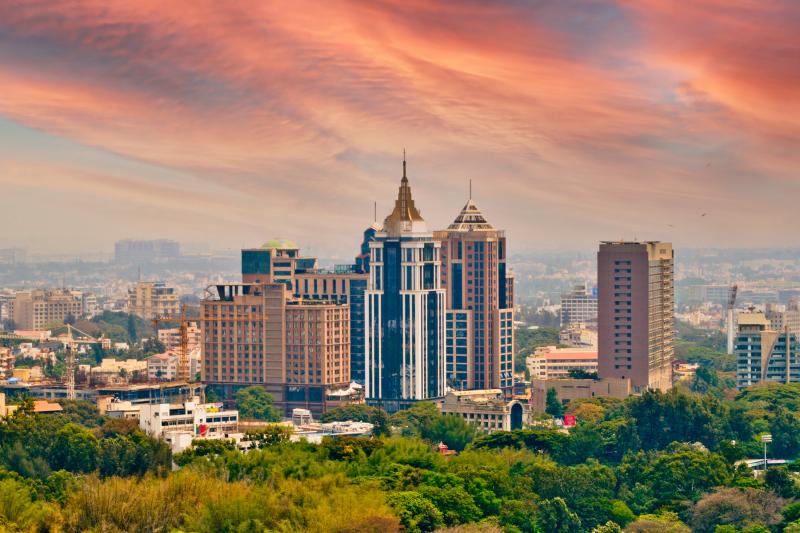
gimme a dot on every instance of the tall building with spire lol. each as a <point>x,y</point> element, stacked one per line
<point>480,309</point>
<point>405,309</point>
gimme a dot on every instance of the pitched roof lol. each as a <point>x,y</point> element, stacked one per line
<point>405,218</point>
<point>470,219</point>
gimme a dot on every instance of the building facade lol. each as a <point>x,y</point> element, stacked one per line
<point>479,340</point>
<point>36,309</point>
<point>489,410</point>
<point>153,299</point>
<point>636,313</point>
<point>783,317</point>
<point>279,261</point>
<point>405,309</point>
<point>763,353</point>
<point>579,306</point>
<point>550,362</point>
<point>130,251</point>
<point>257,334</point>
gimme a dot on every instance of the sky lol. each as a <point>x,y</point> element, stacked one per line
<point>234,122</point>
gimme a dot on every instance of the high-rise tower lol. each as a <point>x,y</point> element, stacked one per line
<point>405,309</point>
<point>635,312</point>
<point>480,309</point>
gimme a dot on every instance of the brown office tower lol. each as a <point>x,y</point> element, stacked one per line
<point>480,309</point>
<point>257,334</point>
<point>635,313</point>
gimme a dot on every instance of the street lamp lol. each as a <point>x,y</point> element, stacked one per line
<point>765,438</point>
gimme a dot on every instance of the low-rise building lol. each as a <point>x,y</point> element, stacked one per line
<point>6,362</point>
<point>575,389</point>
<point>487,409</point>
<point>164,366</point>
<point>171,337</point>
<point>550,362</point>
<point>115,371</point>
<point>179,424</point>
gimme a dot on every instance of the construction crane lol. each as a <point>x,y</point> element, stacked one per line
<point>70,343</point>
<point>729,316</point>
<point>184,320</point>
<point>182,373</point>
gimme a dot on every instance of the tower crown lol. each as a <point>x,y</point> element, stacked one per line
<point>405,218</point>
<point>470,219</point>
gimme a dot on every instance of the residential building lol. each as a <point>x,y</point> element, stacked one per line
<point>479,342</point>
<point>153,299</point>
<point>405,309</point>
<point>783,317</point>
<point>489,410</point>
<point>258,334</point>
<point>179,424</point>
<point>164,366</point>
<point>579,306</point>
<point>578,335</point>
<point>6,362</point>
<point>763,353</point>
<point>171,337</point>
<point>130,251</point>
<point>635,313</point>
<point>36,309</point>
<point>550,362</point>
<point>576,389</point>
<point>718,294</point>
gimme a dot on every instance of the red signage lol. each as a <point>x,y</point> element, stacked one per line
<point>569,420</point>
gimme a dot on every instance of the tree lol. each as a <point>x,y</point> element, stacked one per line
<point>417,513</point>
<point>785,429</point>
<point>268,435</point>
<point>132,333</point>
<point>580,373</point>
<point>555,517</point>
<point>779,481</point>
<point>257,404</point>
<point>661,523</point>
<point>608,527</point>
<point>75,449</point>
<point>553,406</point>
<point>736,507</point>
<point>450,429</point>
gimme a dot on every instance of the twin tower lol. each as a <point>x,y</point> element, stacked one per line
<point>438,306</point>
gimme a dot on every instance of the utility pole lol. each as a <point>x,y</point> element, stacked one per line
<point>765,438</point>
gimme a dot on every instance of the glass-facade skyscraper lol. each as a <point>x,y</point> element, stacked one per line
<point>405,309</point>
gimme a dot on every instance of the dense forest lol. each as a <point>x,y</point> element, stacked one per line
<point>657,462</point>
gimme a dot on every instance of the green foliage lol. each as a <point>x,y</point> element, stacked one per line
<point>553,406</point>
<point>416,512</point>
<point>555,517</point>
<point>255,403</point>
<point>740,508</point>
<point>269,435</point>
<point>527,340</point>
<point>779,481</point>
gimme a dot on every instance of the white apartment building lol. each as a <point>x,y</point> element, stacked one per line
<point>179,424</point>
<point>550,362</point>
<point>579,306</point>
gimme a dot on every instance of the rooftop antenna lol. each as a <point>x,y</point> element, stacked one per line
<point>470,188</point>
<point>404,162</point>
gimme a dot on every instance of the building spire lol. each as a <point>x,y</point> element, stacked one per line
<point>470,188</point>
<point>404,164</point>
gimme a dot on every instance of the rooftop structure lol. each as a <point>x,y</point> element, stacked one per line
<point>488,409</point>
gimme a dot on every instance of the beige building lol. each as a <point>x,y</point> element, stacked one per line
<point>549,362</point>
<point>153,299</point>
<point>257,334</point>
<point>487,409</point>
<point>164,366</point>
<point>171,337</point>
<point>784,317</point>
<point>575,389</point>
<point>6,362</point>
<point>36,309</point>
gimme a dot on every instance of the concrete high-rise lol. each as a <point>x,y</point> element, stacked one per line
<point>480,310</point>
<point>764,353</point>
<point>153,299</point>
<point>636,313</point>
<point>405,309</point>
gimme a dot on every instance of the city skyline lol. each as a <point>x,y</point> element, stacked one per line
<point>233,125</point>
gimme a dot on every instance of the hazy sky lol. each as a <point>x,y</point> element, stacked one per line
<point>233,122</point>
